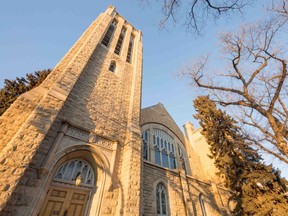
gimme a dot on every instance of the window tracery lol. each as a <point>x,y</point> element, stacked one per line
<point>69,171</point>
<point>164,149</point>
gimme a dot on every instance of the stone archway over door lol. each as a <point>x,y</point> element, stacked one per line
<point>64,198</point>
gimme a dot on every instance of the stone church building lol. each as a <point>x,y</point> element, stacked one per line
<point>79,144</point>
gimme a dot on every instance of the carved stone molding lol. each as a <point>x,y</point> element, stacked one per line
<point>99,141</point>
<point>78,134</point>
<point>90,138</point>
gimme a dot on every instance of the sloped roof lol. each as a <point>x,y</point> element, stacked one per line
<point>159,115</point>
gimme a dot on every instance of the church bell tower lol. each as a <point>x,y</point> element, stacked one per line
<point>72,146</point>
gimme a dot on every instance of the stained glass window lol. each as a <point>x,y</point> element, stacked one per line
<point>72,169</point>
<point>164,149</point>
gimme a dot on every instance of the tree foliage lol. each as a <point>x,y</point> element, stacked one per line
<point>13,88</point>
<point>254,81</point>
<point>258,189</point>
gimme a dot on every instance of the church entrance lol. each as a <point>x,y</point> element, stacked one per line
<point>70,189</point>
<point>65,202</point>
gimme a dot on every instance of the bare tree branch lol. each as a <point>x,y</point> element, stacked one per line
<point>256,80</point>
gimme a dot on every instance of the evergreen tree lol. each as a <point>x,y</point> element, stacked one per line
<point>257,189</point>
<point>13,88</point>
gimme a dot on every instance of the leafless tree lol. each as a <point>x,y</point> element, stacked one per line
<point>255,80</point>
<point>194,14</point>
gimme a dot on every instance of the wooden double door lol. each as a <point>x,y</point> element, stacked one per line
<point>65,201</point>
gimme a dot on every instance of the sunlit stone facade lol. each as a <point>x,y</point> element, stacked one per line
<point>80,145</point>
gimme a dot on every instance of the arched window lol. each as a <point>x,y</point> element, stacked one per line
<point>73,169</point>
<point>164,149</point>
<point>202,204</point>
<point>112,66</point>
<point>109,33</point>
<point>161,200</point>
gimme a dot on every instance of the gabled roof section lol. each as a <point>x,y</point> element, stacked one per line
<point>159,115</point>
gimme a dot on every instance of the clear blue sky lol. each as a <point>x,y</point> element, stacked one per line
<point>36,34</point>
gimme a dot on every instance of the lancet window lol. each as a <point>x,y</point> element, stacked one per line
<point>107,38</point>
<point>161,200</point>
<point>120,41</point>
<point>73,169</point>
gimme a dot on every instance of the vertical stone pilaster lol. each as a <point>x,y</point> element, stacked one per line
<point>131,174</point>
<point>185,191</point>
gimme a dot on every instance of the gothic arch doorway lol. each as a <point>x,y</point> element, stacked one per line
<point>70,189</point>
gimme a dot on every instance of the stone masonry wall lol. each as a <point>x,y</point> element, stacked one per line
<point>152,175</point>
<point>215,201</point>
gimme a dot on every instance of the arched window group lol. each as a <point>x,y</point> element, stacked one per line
<point>164,149</point>
<point>161,200</point>
<point>108,37</point>
<point>161,148</point>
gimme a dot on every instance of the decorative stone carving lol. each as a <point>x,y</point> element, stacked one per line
<point>104,143</point>
<point>89,137</point>
<point>78,134</point>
